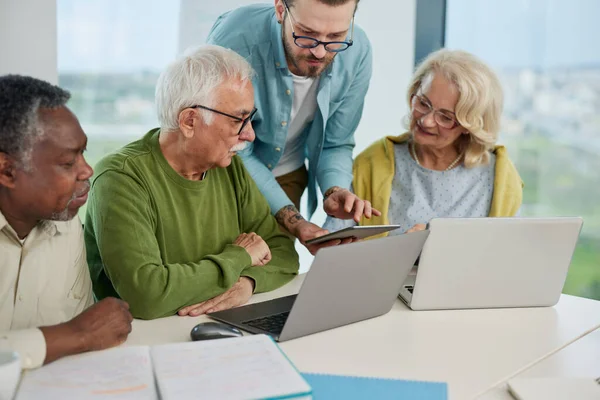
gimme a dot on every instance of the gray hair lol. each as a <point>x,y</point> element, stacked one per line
<point>21,97</point>
<point>192,79</point>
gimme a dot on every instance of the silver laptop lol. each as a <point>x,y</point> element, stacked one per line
<point>492,263</point>
<point>345,284</point>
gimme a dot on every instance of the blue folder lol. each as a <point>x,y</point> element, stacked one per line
<point>327,387</point>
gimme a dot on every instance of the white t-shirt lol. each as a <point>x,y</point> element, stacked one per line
<point>304,105</point>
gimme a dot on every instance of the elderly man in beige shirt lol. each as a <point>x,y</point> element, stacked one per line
<point>46,309</point>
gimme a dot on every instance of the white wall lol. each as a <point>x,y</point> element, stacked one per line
<point>390,26</point>
<point>28,38</point>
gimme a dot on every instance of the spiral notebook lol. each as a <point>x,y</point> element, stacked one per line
<point>326,387</point>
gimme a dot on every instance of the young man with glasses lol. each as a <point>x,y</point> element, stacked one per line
<point>313,69</point>
<point>175,224</point>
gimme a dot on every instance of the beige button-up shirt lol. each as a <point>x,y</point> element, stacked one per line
<point>43,281</point>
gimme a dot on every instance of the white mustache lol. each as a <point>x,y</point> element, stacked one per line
<point>239,147</point>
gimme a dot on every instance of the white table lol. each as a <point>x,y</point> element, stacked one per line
<point>471,350</point>
<point>580,359</point>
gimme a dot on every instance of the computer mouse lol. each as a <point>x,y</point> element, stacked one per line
<point>214,330</point>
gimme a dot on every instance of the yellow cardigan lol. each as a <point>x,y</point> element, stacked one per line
<point>374,170</point>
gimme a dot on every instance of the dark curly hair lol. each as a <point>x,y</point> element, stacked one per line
<point>20,99</point>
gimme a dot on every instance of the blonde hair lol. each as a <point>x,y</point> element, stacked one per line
<point>480,100</point>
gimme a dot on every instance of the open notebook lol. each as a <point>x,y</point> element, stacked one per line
<point>237,368</point>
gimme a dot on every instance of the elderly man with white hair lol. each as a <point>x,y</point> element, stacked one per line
<point>174,222</point>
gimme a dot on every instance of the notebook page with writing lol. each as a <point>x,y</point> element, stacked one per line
<point>248,367</point>
<point>120,374</point>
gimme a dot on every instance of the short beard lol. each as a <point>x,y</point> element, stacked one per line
<point>64,215</point>
<point>312,72</point>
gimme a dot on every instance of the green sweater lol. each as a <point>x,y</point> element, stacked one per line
<point>162,242</point>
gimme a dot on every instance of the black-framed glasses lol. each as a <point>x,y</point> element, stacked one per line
<point>307,42</point>
<point>443,118</point>
<point>244,121</point>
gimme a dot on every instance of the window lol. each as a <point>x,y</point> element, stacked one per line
<point>110,54</point>
<point>546,54</point>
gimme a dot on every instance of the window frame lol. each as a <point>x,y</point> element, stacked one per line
<point>430,28</point>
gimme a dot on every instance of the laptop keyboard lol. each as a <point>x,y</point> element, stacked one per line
<point>272,324</point>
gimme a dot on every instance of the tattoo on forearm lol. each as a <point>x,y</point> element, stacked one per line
<point>295,218</point>
<point>288,215</point>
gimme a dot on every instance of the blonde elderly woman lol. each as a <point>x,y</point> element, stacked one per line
<point>448,164</point>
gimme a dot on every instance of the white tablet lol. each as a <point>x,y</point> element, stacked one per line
<point>358,232</point>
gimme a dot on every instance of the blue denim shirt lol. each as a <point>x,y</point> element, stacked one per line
<point>254,33</point>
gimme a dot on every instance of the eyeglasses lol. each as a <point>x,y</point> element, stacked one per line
<point>307,42</point>
<point>244,121</point>
<point>443,118</point>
